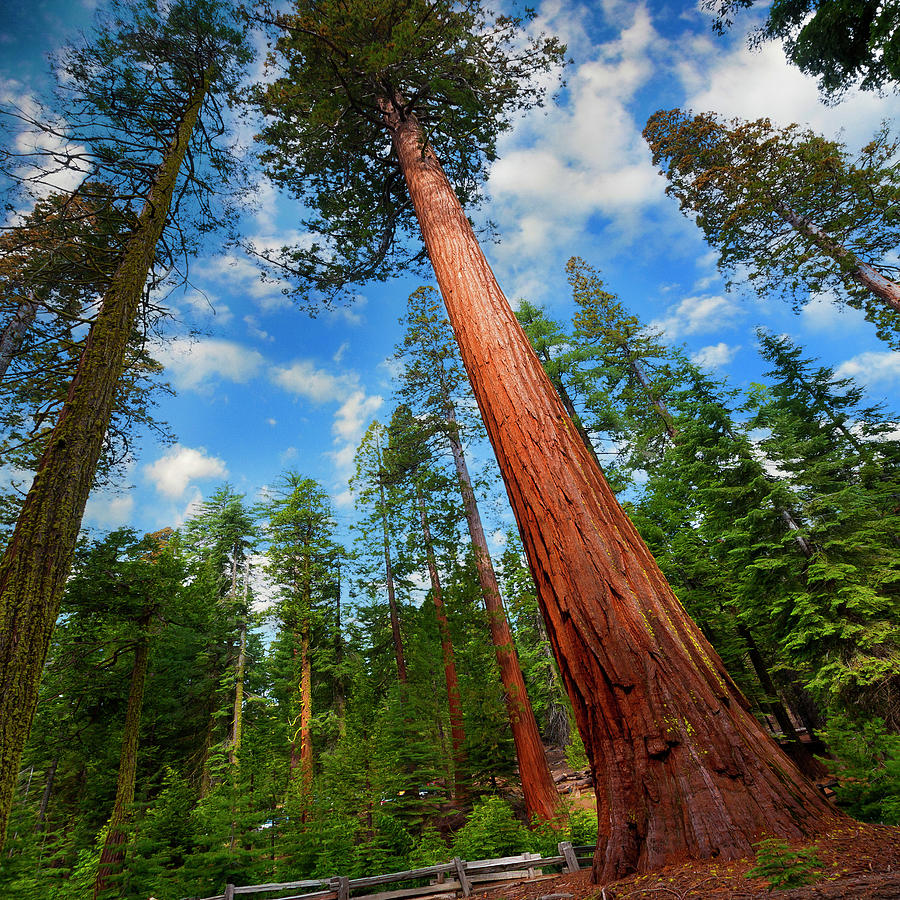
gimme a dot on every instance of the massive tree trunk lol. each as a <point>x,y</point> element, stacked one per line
<point>306,754</point>
<point>681,768</point>
<point>454,703</point>
<point>36,562</point>
<point>541,797</point>
<point>113,853</point>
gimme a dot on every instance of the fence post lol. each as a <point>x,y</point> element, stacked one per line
<point>343,888</point>
<point>229,891</point>
<point>566,851</point>
<point>461,875</point>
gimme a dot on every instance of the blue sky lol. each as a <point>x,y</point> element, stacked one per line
<point>267,387</point>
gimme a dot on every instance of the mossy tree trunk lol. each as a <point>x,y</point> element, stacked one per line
<point>113,854</point>
<point>36,562</point>
<point>681,768</point>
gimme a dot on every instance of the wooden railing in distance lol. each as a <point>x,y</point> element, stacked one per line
<point>463,876</point>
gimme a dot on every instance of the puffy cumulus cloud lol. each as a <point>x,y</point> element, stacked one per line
<point>697,315</point>
<point>354,415</point>
<point>303,379</point>
<point>193,364</point>
<point>586,156</point>
<point>873,367</point>
<point>752,84</point>
<point>173,472</point>
<point>715,355</point>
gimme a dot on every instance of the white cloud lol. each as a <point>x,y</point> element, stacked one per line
<point>823,313</point>
<point>872,367</point>
<point>173,472</point>
<point>305,380</point>
<point>353,417</point>
<point>254,330</point>
<point>752,84</point>
<point>697,315</point>
<point>194,363</point>
<point>109,510</point>
<point>207,306</point>
<point>715,355</point>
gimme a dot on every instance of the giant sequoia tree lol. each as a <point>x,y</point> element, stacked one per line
<point>151,75</point>
<point>370,98</point>
<point>793,207</point>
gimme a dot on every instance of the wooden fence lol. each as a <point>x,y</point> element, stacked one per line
<point>446,881</point>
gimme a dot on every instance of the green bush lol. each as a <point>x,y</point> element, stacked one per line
<point>783,867</point>
<point>491,830</point>
<point>868,767</point>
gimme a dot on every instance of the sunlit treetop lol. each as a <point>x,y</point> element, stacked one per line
<point>462,71</point>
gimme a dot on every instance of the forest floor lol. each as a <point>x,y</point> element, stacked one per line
<point>860,862</point>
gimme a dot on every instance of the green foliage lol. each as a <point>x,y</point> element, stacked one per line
<point>462,72</point>
<point>795,209</point>
<point>491,830</point>
<point>843,42</point>
<point>783,867</point>
<point>576,758</point>
<point>867,764</point>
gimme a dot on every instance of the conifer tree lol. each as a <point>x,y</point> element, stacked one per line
<point>302,554</point>
<point>841,459</point>
<point>185,58</point>
<point>696,773</point>
<point>796,209</point>
<point>432,378</point>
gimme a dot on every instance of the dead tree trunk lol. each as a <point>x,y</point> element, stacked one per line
<point>681,768</point>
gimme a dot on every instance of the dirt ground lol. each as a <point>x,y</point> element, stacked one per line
<point>861,862</point>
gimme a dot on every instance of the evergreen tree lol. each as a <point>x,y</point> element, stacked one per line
<point>189,57</point>
<point>793,207</point>
<point>432,377</point>
<point>841,460</point>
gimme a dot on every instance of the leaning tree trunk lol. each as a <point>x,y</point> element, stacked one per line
<point>862,273</point>
<point>113,853</point>
<point>36,562</point>
<point>681,768</point>
<point>541,797</point>
<point>454,703</point>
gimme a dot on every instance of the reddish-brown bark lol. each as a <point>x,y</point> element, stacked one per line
<point>680,766</point>
<point>541,797</point>
<point>392,599</point>
<point>454,703</point>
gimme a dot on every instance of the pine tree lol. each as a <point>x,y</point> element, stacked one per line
<point>302,554</point>
<point>841,460</point>
<point>432,377</point>
<point>793,207</point>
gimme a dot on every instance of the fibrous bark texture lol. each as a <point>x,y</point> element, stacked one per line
<point>36,562</point>
<point>681,768</point>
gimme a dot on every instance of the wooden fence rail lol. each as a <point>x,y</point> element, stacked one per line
<point>448,880</point>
